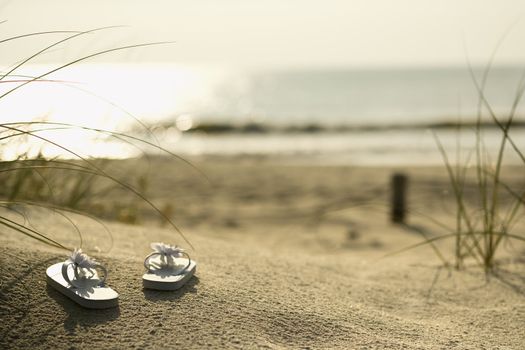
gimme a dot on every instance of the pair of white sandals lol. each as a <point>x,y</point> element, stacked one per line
<point>167,268</point>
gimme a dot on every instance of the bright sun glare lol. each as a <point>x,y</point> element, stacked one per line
<point>109,97</point>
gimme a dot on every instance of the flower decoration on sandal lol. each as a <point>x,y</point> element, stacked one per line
<point>83,269</point>
<point>167,257</point>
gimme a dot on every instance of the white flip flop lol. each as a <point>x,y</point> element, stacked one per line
<point>77,278</point>
<point>167,267</point>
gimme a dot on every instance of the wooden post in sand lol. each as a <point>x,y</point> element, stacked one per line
<point>399,183</point>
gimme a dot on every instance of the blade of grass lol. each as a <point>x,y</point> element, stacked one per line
<point>99,53</point>
<point>448,235</point>
<point>7,222</point>
<point>457,192</point>
<point>121,136</point>
<point>68,210</point>
<point>37,34</point>
<point>38,53</point>
<point>431,243</point>
<point>111,103</point>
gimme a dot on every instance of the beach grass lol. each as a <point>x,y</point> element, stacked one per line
<point>63,185</point>
<point>484,223</point>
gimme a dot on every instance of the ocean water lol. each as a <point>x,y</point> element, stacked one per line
<point>357,97</point>
<point>361,116</point>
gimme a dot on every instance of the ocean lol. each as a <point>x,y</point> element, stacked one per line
<point>350,116</point>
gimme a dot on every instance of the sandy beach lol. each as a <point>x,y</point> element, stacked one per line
<point>291,255</point>
<point>265,139</point>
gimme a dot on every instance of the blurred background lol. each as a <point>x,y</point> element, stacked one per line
<point>352,82</point>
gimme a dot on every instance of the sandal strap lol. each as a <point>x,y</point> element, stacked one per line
<point>148,265</point>
<point>74,282</point>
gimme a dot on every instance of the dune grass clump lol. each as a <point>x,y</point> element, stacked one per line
<point>32,178</point>
<point>484,224</point>
<point>63,184</point>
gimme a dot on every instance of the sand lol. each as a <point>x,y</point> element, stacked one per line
<point>291,255</point>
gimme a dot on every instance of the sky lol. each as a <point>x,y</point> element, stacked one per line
<point>276,33</point>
